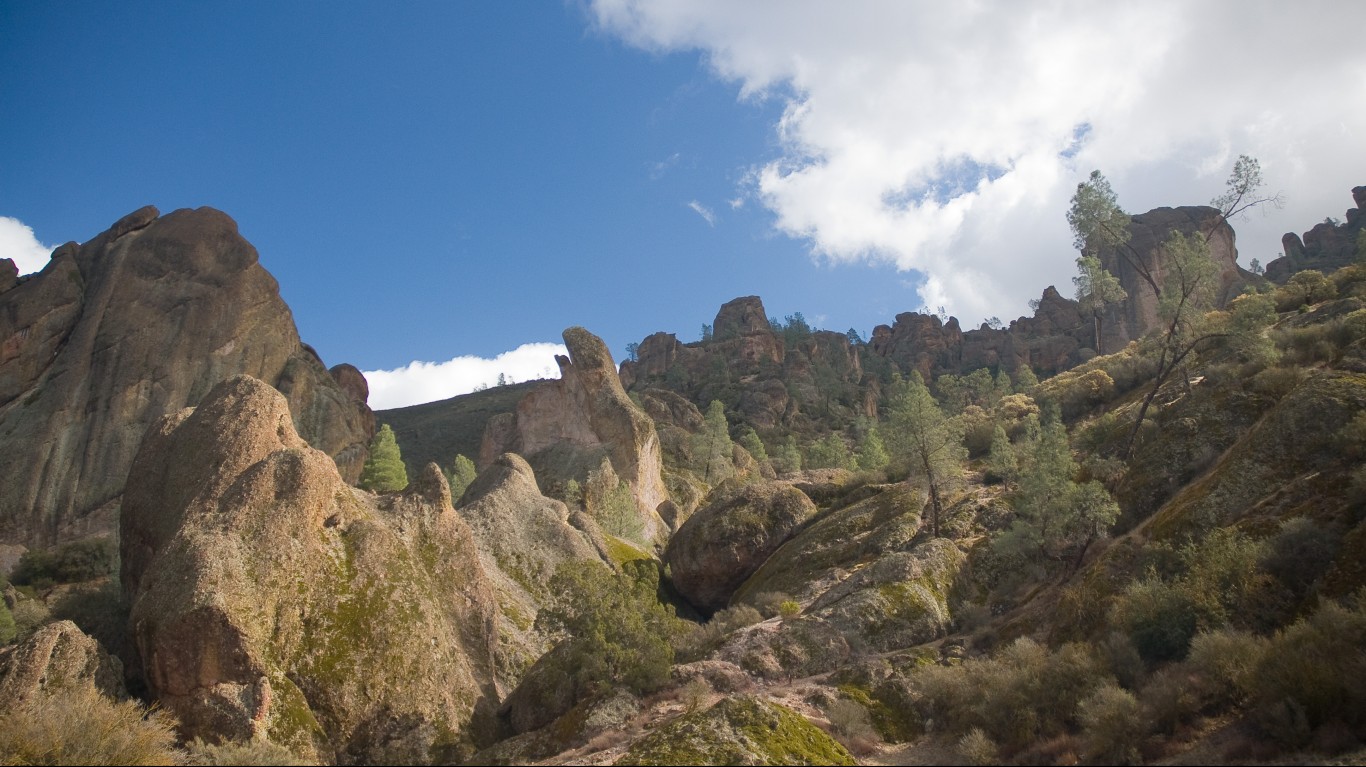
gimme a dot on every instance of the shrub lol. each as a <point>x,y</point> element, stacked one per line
<point>700,641</point>
<point>1159,617</point>
<point>1312,671</point>
<point>260,752</point>
<point>694,694</point>
<point>1112,724</point>
<point>789,608</point>
<point>1300,554</point>
<point>614,626</point>
<point>852,725</point>
<point>1170,698</point>
<point>29,616</point>
<point>68,563</point>
<point>1224,662</point>
<point>769,603</point>
<point>77,725</point>
<point>978,748</point>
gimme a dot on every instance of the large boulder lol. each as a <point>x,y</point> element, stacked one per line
<point>141,321</point>
<point>720,546</point>
<point>58,655</point>
<point>824,551</point>
<point>564,428</point>
<point>523,537</point>
<point>272,600</point>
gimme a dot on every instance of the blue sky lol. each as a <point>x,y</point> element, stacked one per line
<point>432,180</point>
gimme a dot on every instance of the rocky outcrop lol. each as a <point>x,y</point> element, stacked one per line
<point>270,599</point>
<point>740,317</point>
<point>58,655</point>
<point>1326,247</point>
<point>718,548</point>
<point>566,427</point>
<point>813,560</point>
<point>522,538</point>
<point>1147,233</point>
<point>738,730</point>
<point>141,321</point>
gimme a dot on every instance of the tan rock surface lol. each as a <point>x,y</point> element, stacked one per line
<point>565,427</point>
<point>270,599</point>
<point>57,655</point>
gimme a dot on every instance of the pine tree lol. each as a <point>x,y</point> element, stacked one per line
<point>787,459</point>
<point>750,441</point>
<point>872,453</point>
<point>384,470</point>
<point>462,475</point>
<point>1025,380</point>
<point>712,446</point>
<point>921,434</point>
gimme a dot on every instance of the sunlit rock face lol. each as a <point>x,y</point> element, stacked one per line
<point>141,321</point>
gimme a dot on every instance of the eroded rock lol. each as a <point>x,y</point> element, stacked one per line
<point>270,599</point>
<point>141,321</point>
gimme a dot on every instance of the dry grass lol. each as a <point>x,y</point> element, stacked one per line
<point>77,725</point>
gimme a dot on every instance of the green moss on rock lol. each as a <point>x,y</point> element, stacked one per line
<point>741,730</point>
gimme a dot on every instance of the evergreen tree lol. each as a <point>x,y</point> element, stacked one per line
<point>712,446</point>
<point>384,470</point>
<point>829,452</point>
<point>462,475</point>
<point>1025,380</point>
<point>1096,289</point>
<point>1056,518</point>
<point>1001,463</point>
<point>755,446</point>
<point>787,459</point>
<point>872,453</point>
<point>921,434</point>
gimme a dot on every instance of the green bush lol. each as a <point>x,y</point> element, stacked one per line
<point>29,616</point>
<point>1112,724</point>
<point>68,563</point>
<point>77,725</point>
<point>1224,662</point>
<point>1159,617</point>
<point>1300,554</point>
<point>614,630</point>
<point>1170,698</point>
<point>1312,671</point>
<point>1024,694</point>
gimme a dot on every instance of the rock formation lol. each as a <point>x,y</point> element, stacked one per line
<point>57,655</point>
<point>270,599</point>
<point>1326,247</point>
<point>522,538</point>
<point>718,548</point>
<point>141,321</point>
<point>564,428</point>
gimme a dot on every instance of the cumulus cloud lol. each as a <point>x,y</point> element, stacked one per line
<point>947,138</point>
<point>420,382</point>
<point>18,242</point>
<point>703,211</point>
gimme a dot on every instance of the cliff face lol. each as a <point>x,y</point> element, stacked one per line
<point>141,321</point>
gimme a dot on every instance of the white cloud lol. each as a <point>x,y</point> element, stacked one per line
<point>421,382</point>
<point>703,211</point>
<point>18,242</point>
<point>947,138</point>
